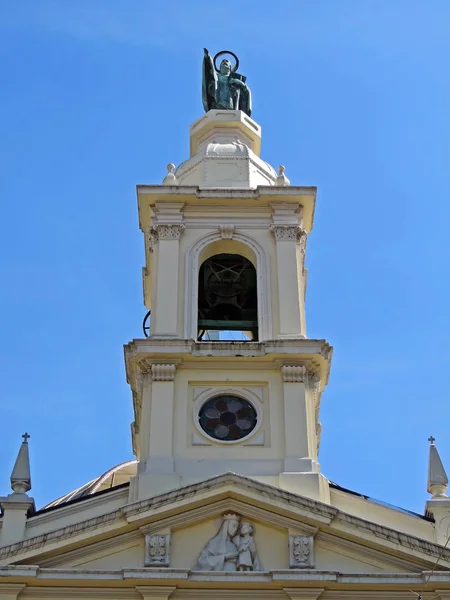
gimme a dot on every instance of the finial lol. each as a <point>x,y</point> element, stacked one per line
<point>170,178</point>
<point>282,179</point>
<point>437,477</point>
<point>20,476</point>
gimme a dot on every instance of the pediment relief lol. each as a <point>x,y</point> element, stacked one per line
<point>289,532</point>
<point>229,536</point>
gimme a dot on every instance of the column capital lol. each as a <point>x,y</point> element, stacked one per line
<point>163,372</point>
<point>166,231</point>
<point>289,233</point>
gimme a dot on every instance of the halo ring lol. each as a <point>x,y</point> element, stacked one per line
<point>236,66</point>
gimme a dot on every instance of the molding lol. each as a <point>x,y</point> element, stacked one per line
<point>159,592</point>
<point>75,593</point>
<point>162,372</point>
<point>11,591</point>
<point>122,541</point>
<point>303,594</point>
<point>226,231</point>
<point>275,502</point>
<point>230,594</point>
<point>217,509</point>
<point>294,373</point>
<point>262,278</point>
<point>357,551</point>
<point>236,390</point>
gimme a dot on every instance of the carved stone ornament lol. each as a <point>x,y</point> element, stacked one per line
<point>301,551</point>
<point>157,550</point>
<point>314,386</point>
<point>163,372</point>
<point>289,233</point>
<point>233,548</point>
<point>226,231</point>
<point>152,238</point>
<point>164,232</point>
<point>293,373</point>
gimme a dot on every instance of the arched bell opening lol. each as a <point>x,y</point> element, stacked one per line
<point>227,298</point>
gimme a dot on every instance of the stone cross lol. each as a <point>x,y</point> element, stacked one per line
<point>25,437</point>
<point>431,439</point>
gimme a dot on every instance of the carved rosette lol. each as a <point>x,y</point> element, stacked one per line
<point>163,372</point>
<point>289,233</point>
<point>157,550</point>
<point>164,232</point>
<point>294,373</point>
<point>301,551</point>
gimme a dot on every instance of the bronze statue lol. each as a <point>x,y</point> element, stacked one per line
<point>224,88</point>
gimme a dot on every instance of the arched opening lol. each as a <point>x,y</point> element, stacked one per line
<point>227,298</point>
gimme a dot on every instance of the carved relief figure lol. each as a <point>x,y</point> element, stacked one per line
<point>230,549</point>
<point>248,559</point>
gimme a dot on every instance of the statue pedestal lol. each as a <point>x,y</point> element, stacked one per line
<point>225,125</point>
<point>225,147</point>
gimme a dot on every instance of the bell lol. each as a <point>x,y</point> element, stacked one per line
<point>227,295</point>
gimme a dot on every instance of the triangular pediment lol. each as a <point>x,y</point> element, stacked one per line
<point>290,533</point>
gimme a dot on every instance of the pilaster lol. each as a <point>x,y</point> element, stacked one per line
<point>290,240</point>
<point>164,241</point>
<point>301,400</point>
<point>160,450</point>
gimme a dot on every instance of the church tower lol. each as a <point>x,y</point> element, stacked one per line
<point>226,379</point>
<point>226,498</point>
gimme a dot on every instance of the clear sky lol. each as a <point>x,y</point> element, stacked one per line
<point>353,96</point>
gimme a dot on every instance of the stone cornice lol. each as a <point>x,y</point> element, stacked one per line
<point>423,580</point>
<point>275,500</point>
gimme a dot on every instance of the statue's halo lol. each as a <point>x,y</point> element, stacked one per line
<point>222,52</point>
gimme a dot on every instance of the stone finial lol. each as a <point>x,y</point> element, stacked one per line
<point>21,476</point>
<point>437,477</point>
<point>282,179</point>
<point>170,178</point>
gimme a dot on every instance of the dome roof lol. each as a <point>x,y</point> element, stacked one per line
<point>112,478</point>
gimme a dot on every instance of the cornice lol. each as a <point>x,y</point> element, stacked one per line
<point>213,581</point>
<point>271,499</point>
<point>194,190</point>
<point>63,511</point>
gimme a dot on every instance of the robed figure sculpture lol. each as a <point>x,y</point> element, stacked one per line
<point>224,88</point>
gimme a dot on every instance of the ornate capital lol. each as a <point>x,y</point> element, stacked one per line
<point>226,231</point>
<point>163,372</point>
<point>301,551</point>
<point>164,232</point>
<point>157,550</point>
<point>293,373</point>
<point>289,233</point>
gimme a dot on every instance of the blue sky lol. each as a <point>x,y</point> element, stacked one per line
<point>353,96</point>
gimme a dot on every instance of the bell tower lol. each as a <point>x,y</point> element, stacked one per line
<point>226,379</point>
